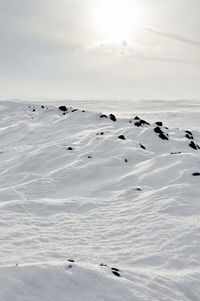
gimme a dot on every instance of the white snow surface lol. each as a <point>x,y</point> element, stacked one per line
<point>105,201</point>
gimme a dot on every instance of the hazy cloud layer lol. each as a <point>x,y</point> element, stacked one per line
<point>50,48</point>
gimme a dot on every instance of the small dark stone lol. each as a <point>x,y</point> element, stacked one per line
<point>130,121</point>
<point>116,273</point>
<point>142,146</point>
<point>163,136</point>
<point>74,110</point>
<point>103,116</point>
<point>33,110</point>
<point>102,133</point>
<point>125,160</point>
<point>189,136</point>
<point>64,113</point>
<point>159,123</point>
<point>175,153</point>
<point>137,124</point>
<point>136,118</point>
<point>63,108</point>
<point>42,107</point>
<point>70,148</point>
<point>138,189</point>
<point>102,265</point>
<point>188,132</point>
<point>112,117</point>
<point>144,122</point>
<point>115,269</point>
<point>193,145</point>
<point>89,157</point>
<point>83,111</point>
<point>141,122</point>
<point>122,137</point>
<point>158,130</point>
<point>196,174</point>
<point>71,260</point>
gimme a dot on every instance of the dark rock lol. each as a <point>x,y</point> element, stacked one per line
<point>42,107</point>
<point>136,118</point>
<point>188,136</point>
<point>138,189</point>
<point>125,160</point>
<point>71,260</point>
<point>163,136</point>
<point>137,124</point>
<point>74,110</point>
<point>159,123</point>
<point>193,145</point>
<point>142,146</point>
<point>63,108</point>
<point>141,122</point>
<point>112,117</point>
<point>70,148</point>
<point>33,110</point>
<point>103,116</point>
<point>196,174</point>
<point>175,153</point>
<point>188,132</point>
<point>102,133</point>
<point>158,130</point>
<point>102,265</point>
<point>115,269</point>
<point>122,137</point>
<point>116,273</point>
<point>89,157</point>
<point>144,122</point>
<point>83,111</point>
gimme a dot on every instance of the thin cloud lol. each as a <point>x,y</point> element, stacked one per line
<point>136,51</point>
<point>176,37</point>
<point>164,59</point>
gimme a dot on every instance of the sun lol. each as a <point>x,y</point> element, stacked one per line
<point>116,19</point>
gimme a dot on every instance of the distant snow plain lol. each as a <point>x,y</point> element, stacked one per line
<point>88,216</point>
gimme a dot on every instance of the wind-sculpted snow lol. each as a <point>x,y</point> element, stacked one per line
<point>118,191</point>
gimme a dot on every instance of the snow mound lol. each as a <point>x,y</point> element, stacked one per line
<point>97,188</point>
<point>71,281</point>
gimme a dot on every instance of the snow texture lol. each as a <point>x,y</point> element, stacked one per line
<point>119,196</point>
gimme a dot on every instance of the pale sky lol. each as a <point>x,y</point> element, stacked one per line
<point>93,49</point>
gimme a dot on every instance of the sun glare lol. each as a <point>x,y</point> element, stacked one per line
<point>116,19</point>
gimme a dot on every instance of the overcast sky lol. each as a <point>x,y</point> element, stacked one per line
<point>93,49</point>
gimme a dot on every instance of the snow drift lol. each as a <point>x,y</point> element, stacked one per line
<point>107,192</point>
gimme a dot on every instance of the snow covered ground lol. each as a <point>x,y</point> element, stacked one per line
<point>120,198</point>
